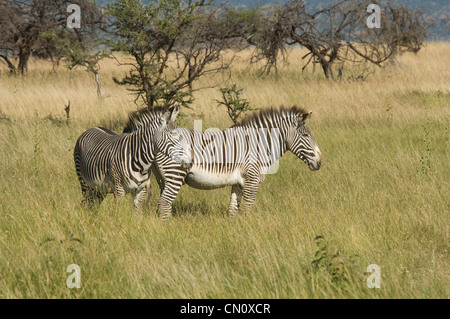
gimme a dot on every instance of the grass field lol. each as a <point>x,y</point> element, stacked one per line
<point>381,197</point>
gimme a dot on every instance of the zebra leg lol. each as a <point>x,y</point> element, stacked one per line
<point>88,197</point>
<point>249,198</point>
<point>250,189</point>
<point>158,176</point>
<point>140,196</point>
<point>98,197</point>
<point>119,193</point>
<point>164,209</point>
<point>148,185</point>
<point>236,195</point>
<point>148,189</point>
<point>92,197</point>
<point>168,195</point>
<point>89,194</point>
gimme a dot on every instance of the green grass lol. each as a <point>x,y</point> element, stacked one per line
<point>381,196</point>
<point>374,198</point>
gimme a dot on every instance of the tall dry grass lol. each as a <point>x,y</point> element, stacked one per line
<point>381,197</point>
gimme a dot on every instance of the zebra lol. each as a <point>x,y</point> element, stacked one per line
<point>106,162</point>
<point>240,156</point>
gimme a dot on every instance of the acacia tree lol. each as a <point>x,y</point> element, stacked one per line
<point>24,22</point>
<point>406,29</point>
<point>78,50</point>
<point>235,104</point>
<point>172,43</point>
<point>402,30</point>
<point>336,34</point>
<point>328,33</point>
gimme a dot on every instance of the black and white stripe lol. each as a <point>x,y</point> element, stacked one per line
<point>239,156</point>
<point>107,162</point>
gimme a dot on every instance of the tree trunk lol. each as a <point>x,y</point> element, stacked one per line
<point>24,55</point>
<point>99,85</point>
<point>55,63</point>
<point>11,67</point>
<point>341,74</point>
<point>327,70</point>
<point>395,52</point>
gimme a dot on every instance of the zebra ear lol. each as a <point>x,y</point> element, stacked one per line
<point>175,111</point>
<point>304,116</point>
<point>165,118</point>
<point>171,114</point>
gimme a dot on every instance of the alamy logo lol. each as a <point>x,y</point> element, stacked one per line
<point>211,149</point>
<point>74,20</point>
<point>74,280</point>
<point>374,20</point>
<point>374,280</point>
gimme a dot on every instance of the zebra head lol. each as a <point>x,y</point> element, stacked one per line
<point>161,132</point>
<point>170,142</point>
<point>301,142</point>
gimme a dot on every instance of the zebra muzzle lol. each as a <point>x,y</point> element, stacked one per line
<point>317,163</point>
<point>185,165</point>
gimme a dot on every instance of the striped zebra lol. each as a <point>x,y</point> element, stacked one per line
<point>106,162</point>
<point>240,156</point>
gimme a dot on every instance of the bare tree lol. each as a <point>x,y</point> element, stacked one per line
<point>78,50</point>
<point>23,22</point>
<point>260,28</point>
<point>406,29</point>
<point>337,34</point>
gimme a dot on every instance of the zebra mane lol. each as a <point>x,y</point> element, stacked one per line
<point>271,112</point>
<point>142,117</point>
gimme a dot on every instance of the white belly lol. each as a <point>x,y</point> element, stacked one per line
<point>199,178</point>
<point>107,185</point>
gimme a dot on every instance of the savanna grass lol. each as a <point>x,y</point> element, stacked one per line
<point>381,196</point>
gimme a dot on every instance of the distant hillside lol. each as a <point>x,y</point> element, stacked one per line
<point>437,10</point>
